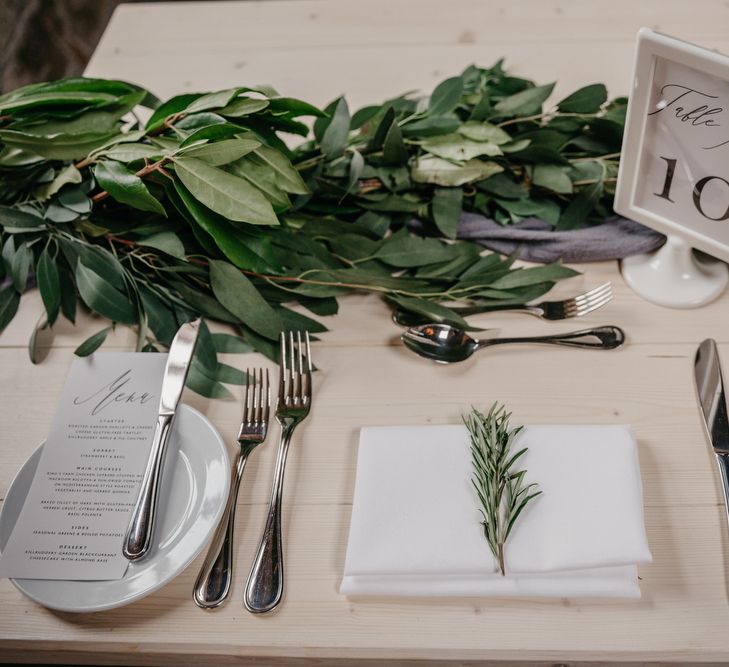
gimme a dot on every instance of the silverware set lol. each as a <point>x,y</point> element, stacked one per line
<point>448,344</point>
<point>265,585</point>
<point>440,342</point>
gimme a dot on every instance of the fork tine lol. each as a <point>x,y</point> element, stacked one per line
<point>254,398</point>
<point>576,310</point>
<point>300,373</point>
<point>267,408</point>
<point>308,366</point>
<point>246,396</point>
<point>588,308</point>
<point>259,411</point>
<point>282,371</point>
<point>594,299</point>
<point>607,288</point>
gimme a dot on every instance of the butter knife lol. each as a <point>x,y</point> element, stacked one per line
<point>712,399</point>
<point>139,533</point>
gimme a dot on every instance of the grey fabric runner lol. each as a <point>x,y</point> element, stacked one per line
<point>533,239</point>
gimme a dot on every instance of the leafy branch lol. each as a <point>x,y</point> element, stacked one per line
<point>500,487</point>
<point>205,210</point>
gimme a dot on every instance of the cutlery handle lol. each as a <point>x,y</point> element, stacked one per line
<point>213,583</point>
<point>265,585</point>
<point>141,526</point>
<point>600,338</point>
<point>722,461</point>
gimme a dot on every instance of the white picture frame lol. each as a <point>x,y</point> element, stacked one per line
<point>674,168</point>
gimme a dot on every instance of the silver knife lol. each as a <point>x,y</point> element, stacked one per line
<point>712,399</point>
<point>139,533</point>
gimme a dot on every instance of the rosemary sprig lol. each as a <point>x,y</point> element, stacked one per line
<point>501,490</point>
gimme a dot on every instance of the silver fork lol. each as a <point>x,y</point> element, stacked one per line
<point>213,583</point>
<point>266,580</point>
<point>576,306</point>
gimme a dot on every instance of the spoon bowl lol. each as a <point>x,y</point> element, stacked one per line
<point>447,344</point>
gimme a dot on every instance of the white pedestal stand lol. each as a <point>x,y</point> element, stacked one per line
<point>672,276</point>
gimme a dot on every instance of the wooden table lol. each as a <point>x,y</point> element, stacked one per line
<point>370,50</point>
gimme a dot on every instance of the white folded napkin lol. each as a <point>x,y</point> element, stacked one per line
<point>416,531</point>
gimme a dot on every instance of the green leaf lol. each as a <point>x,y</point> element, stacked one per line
<point>446,96</point>
<point>9,302</point>
<point>56,99</point>
<point>172,106</point>
<point>504,186</point>
<point>438,171</point>
<point>533,276</point>
<point>14,220</point>
<point>230,196</point>
<point>130,152</point>
<point>15,157</point>
<point>552,177</point>
<point>431,126</point>
<point>92,343</point>
<point>458,148</point>
<point>446,208</point>
<point>293,107</point>
<point>214,100</point>
<point>56,147</point>
<point>66,175</point>
<point>201,383</point>
<point>229,374</point>
<point>579,209</point>
<point>394,150</point>
<point>227,344</point>
<point>167,242</point>
<point>49,285</point>
<point>205,350</point>
<point>33,348</point>
<point>160,317</point>
<point>20,267</point>
<point>68,294</point>
<point>356,165</point>
<point>222,152</point>
<point>243,106</point>
<point>200,303</point>
<point>75,200</point>
<point>585,100</point>
<point>287,177</point>
<point>243,250</point>
<point>409,251</point>
<point>261,176</point>
<point>334,139</point>
<point>238,295</point>
<point>434,312</point>
<point>525,102</point>
<point>126,187</point>
<point>102,297</point>
<point>482,131</point>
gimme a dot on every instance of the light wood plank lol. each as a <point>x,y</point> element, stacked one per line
<point>317,49</point>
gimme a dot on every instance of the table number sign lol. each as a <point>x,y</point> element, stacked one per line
<point>674,169</point>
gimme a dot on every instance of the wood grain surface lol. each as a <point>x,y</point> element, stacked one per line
<point>318,49</point>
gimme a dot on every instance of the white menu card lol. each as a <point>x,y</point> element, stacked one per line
<point>78,507</point>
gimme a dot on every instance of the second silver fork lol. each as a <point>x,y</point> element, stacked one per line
<point>575,306</point>
<point>213,583</point>
<point>265,586</point>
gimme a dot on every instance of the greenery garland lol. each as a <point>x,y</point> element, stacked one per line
<point>204,210</point>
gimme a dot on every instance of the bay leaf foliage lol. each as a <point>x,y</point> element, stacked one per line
<point>151,213</point>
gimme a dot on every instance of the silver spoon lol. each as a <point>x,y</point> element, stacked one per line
<point>447,344</point>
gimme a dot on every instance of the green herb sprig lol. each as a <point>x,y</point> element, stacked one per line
<point>501,489</point>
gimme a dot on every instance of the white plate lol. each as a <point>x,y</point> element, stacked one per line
<point>194,489</point>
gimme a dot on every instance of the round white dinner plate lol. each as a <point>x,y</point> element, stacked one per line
<point>194,489</point>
